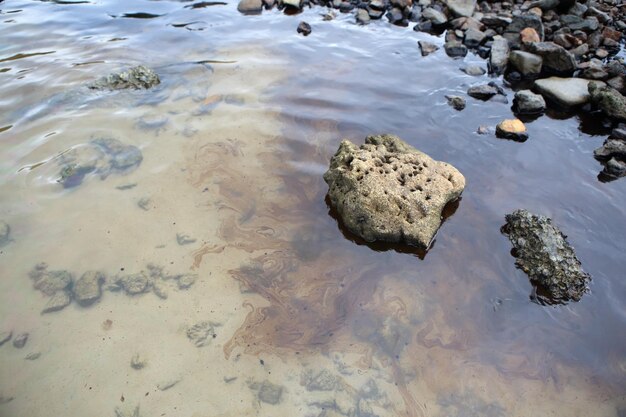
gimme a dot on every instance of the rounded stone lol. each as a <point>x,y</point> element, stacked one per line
<point>512,129</point>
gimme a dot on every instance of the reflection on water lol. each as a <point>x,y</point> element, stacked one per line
<point>196,211</point>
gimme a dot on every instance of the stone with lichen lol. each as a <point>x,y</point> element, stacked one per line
<point>549,260</point>
<point>137,78</point>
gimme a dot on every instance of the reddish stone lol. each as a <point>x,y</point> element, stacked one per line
<point>611,33</point>
<point>529,35</point>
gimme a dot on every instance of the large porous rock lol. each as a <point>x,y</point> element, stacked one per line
<point>137,78</point>
<point>556,59</point>
<point>543,253</point>
<point>566,92</point>
<point>387,190</point>
<point>609,100</point>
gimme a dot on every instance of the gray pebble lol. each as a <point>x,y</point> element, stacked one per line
<point>20,340</point>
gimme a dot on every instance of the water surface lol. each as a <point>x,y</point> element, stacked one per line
<point>290,314</point>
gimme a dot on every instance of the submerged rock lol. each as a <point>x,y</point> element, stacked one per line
<point>5,233</point>
<point>137,362</point>
<point>543,253</point>
<point>389,191</point>
<point>457,102</point>
<point>50,282</point>
<point>202,334</point>
<point>5,336</point>
<point>267,392</point>
<point>20,340</point>
<point>88,289</point>
<point>102,157</point>
<point>427,48</point>
<point>137,78</point>
<point>134,284</point>
<point>58,301</point>
<point>483,92</point>
<point>304,28</point>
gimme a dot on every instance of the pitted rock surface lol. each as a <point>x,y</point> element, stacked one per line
<point>544,254</point>
<point>389,191</point>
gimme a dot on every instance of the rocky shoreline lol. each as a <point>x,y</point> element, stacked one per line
<point>565,50</point>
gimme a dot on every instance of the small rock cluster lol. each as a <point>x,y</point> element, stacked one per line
<point>387,190</point>
<point>567,47</point>
<point>612,155</point>
<point>136,78</point>
<point>62,287</point>
<point>101,157</point>
<point>543,253</point>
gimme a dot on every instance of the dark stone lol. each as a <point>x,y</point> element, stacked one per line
<point>544,4</point>
<point>5,233</point>
<point>396,17</point>
<point>527,102</point>
<point>455,49</point>
<point>88,288</point>
<point>522,22</point>
<point>482,92</point>
<point>20,340</point>
<point>424,26</point>
<point>304,28</point>
<point>610,101</point>
<point>556,59</point>
<point>457,102</point>
<point>619,133</point>
<point>58,301</point>
<point>375,14</point>
<point>427,48</point>
<point>543,253</point>
<point>612,148</point>
<point>613,170</point>
<point>473,38</point>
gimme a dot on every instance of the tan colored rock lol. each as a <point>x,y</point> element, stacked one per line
<point>512,129</point>
<point>389,191</point>
<point>529,35</point>
<point>536,11</point>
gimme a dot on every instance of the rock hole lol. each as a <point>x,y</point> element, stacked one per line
<point>427,197</point>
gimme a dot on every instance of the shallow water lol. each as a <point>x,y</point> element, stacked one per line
<point>289,315</point>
